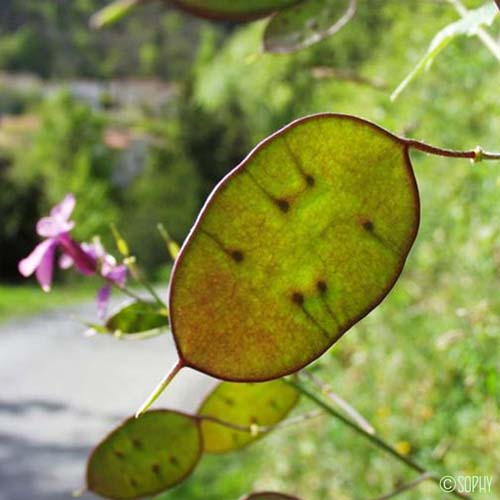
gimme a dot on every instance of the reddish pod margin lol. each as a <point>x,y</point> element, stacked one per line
<point>211,14</point>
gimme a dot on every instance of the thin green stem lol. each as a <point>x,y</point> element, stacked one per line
<point>373,438</point>
<point>138,276</point>
<point>130,262</point>
<point>125,290</point>
<point>406,487</point>
<point>353,414</point>
<point>140,336</point>
<point>153,292</point>
<point>160,388</point>
<point>256,429</point>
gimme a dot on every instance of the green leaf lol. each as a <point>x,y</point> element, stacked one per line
<point>236,10</point>
<point>262,404</point>
<point>296,245</point>
<point>137,317</point>
<point>269,495</point>
<point>113,13</point>
<point>309,22</point>
<point>145,456</point>
<point>468,25</point>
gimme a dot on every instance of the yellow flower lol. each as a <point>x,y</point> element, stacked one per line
<point>403,447</point>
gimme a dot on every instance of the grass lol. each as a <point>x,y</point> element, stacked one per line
<point>28,299</point>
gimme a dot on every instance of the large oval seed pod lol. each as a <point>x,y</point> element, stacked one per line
<point>261,405</point>
<point>293,247</point>
<point>145,456</point>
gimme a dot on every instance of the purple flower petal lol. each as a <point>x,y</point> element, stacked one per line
<point>65,261</point>
<point>49,227</point>
<point>116,274</point>
<point>64,209</point>
<point>45,269</point>
<point>29,265</point>
<point>95,249</point>
<point>102,300</point>
<point>58,222</point>
<point>84,261</point>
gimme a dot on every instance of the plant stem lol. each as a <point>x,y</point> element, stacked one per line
<point>160,388</point>
<point>152,291</point>
<point>138,276</point>
<point>406,486</point>
<point>341,403</point>
<point>487,40</point>
<point>475,155</point>
<point>259,429</point>
<point>141,336</point>
<point>125,290</point>
<point>376,440</point>
<point>327,72</point>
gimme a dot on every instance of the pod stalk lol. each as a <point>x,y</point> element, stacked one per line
<point>475,155</point>
<point>160,388</point>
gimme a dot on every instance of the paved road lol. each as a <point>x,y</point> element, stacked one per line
<point>61,392</point>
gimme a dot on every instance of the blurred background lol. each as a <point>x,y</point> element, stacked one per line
<point>140,121</point>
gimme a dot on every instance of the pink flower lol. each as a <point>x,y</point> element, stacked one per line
<point>55,228</point>
<point>111,271</point>
<point>88,258</point>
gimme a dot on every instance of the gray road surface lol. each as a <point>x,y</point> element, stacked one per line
<point>61,392</point>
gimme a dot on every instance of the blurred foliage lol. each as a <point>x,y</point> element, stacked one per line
<point>53,39</point>
<point>18,209</point>
<point>165,191</point>
<point>15,101</point>
<point>424,367</point>
<point>67,154</point>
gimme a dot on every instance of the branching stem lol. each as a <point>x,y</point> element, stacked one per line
<point>125,290</point>
<point>341,403</point>
<point>406,486</point>
<point>374,438</point>
<point>259,429</point>
<point>139,277</point>
<point>487,40</point>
